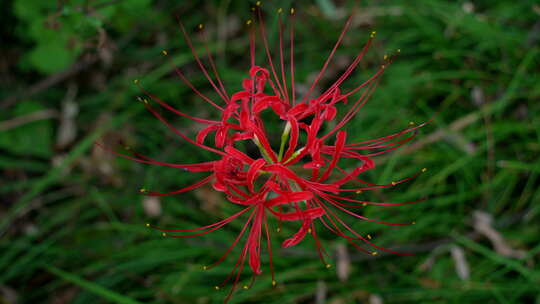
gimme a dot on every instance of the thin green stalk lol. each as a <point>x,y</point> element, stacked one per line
<point>284,138</point>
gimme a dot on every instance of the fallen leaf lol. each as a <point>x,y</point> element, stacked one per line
<point>462,267</point>
<point>320,294</point>
<point>67,130</point>
<point>468,7</point>
<point>209,199</point>
<point>151,206</point>
<point>64,296</point>
<point>483,225</point>
<point>429,283</point>
<point>477,96</point>
<point>375,299</point>
<point>343,263</point>
<point>8,295</point>
<point>430,261</point>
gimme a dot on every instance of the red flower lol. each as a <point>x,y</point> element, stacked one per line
<point>301,182</point>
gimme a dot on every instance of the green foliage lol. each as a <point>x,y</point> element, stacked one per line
<point>60,35</point>
<point>33,139</point>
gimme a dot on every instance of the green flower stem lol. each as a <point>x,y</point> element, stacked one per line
<point>295,154</point>
<point>263,151</point>
<point>284,138</point>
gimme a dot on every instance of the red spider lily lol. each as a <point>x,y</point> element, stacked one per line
<point>300,182</point>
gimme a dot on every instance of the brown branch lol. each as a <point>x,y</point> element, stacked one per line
<point>51,81</point>
<point>28,118</point>
<point>455,126</point>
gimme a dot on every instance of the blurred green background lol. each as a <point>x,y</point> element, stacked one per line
<point>72,220</point>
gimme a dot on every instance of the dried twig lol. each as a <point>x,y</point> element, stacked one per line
<point>455,126</point>
<point>27,118</point>
<point>67,130</point>
<point>462,266</point>
<point>320,294</point>
<point>51,81</point>
<point>375,299</point>
<point>343,262</point>
<point>483,225</point>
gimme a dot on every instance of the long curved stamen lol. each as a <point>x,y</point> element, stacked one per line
<point>269,247</point>
<point>212,227</point>
<point>199,63</point>
<point>353,110</point>
<point>182,190</point>
<point>350,69</point>
<point>201,167</point>
<point>163,120</point>
<point>267,50</point>
<point>283,77</point>
<point>323,69</point>
<point>170,108</point>
<point>182,77</point>
<point>213,66</point>
<point>231,247</point>
<point>291,33</point>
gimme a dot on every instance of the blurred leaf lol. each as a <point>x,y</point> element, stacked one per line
<point>31,9</point>
<point>327,7</point>
<point>131,11</point>
<point>51,57</point>
<point>32,139</point>
<point>92,287</point>
<point>134,5</point>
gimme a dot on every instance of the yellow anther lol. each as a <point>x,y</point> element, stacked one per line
<point>383,66</point>
<point>164,52</point>
<point>201,26</point>
<point>358,191</point>
<point>249,22</point>
<point>205,267</point>
<point>385,57</point>
<point>364,204</point>
<point>147,225</point>
<point>274,283</point>
<point>411,123</point>
<point>309,230</point>
<point>258,3</point>
<point>143,190</point>
<point>252,9</point>
<point>136,81</point>
<point>246,287</point>
<point>328,265</point>
<point>145,101</point>
<point>280,10</point>
<point>399,50</point>
<point>394,183</point>
<point>413,223</point>
<point>278,230</point>
<point>164,234</point>
<point>369,237</point>
<point>292,11</point>
<point>374,253</point>
<point>424,169</point>
<point>373,34</point>
<point>216,287</point>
